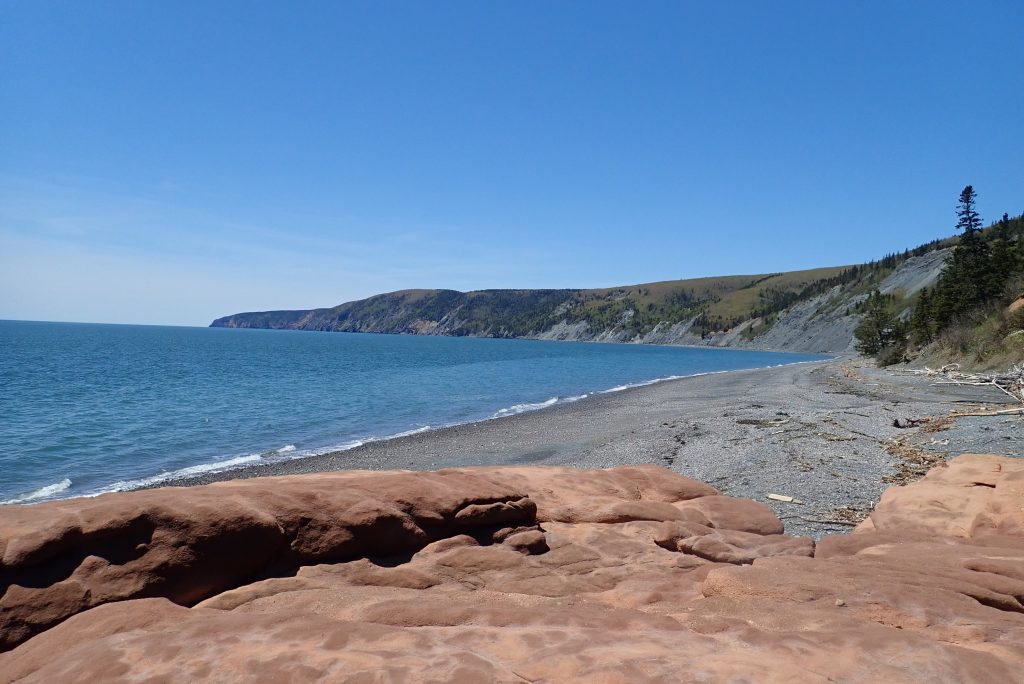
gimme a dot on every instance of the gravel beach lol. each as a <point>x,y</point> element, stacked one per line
<point>820,432</point>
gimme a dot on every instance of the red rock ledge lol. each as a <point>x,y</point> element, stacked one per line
<point>510,575</point>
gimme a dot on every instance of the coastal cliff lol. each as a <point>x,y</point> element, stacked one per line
<point>805,311</point>
<point>513,574</point>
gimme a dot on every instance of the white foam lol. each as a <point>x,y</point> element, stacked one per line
<point>290,452</point>
<point>415,431</point>
<point>644,383</point>
<point>41,493</point>
<point>523,408</point>
<point>201,469</point>
<point>331,449</point>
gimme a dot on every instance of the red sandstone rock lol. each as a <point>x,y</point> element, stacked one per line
<point>729,546</point>
<point>630,576</point>
<point>59,558</point>
<point>976,496</point>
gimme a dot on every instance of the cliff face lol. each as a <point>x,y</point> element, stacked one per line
<point>808,311</point>
<point>511,574</point>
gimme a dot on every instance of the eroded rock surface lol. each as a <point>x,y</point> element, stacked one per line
<point>512,575</point>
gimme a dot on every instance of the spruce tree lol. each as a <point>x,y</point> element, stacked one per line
<point>1004,257</point>
<point>880,329</point>
<point>967,281</point>
<point>921,319</point>
<point>969,220</point>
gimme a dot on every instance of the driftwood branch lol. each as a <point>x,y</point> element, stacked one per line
<point>1005,412</point>
<point>1010,383</point>
<point>819,521</point>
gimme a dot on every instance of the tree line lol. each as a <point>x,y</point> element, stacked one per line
<point>983,273</point>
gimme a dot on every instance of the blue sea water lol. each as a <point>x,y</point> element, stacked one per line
<point>90,408</point>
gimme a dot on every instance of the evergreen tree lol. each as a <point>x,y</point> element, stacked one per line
<point>921,320</point>
<point>880,329</point>
<point>969,220</point>
<point>1004,257</point>
<point>967,281</point>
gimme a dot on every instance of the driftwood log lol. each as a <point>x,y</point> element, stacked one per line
<point>1010,382</point>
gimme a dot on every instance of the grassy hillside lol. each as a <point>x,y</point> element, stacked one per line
<point>973,278</point>
<point>704,306</point>
<point>973,315</point>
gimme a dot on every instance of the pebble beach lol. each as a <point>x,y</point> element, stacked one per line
<point>821,434</point>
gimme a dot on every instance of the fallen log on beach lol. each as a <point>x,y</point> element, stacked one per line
<point>1005,412</point>
<point>1010,382</point>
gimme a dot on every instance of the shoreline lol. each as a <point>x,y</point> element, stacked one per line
<point>235,466</point>
<point>426,432</point>
<point>819,431</point>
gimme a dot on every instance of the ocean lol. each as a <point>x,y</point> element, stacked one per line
<point>88,408</point>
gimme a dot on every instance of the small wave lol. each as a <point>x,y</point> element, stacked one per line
<point>331,449</point>
<point>407,433</point>
<point>348,446</point>
<point>522,408</point>
<point>291,452</point>
<point>644,383</point>
<point>201,469</point>
<point>41,493</point>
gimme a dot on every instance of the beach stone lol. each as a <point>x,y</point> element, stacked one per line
<point>357,577</point>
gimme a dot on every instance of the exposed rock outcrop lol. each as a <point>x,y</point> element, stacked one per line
<point>818,313</point>
<point>513,574</point>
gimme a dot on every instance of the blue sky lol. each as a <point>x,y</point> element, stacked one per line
<point>169,162</point>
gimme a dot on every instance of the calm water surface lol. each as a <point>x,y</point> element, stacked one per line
<point>88,408</point>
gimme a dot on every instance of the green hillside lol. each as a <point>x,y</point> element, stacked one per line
<point>974,312</point>
<point>705,305</point>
